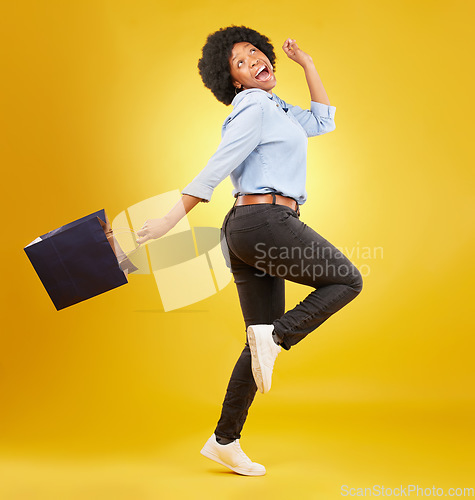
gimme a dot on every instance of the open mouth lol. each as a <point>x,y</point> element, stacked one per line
<point>263,74</point>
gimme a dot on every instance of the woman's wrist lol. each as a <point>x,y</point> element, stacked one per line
<point>170,221</point>
<point>308,63</point>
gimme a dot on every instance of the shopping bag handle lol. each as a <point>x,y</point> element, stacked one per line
<point>122,230</point>
<point>122,258</point>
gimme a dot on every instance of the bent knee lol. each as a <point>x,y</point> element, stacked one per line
<point>356,280</point>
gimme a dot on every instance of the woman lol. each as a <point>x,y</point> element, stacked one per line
<point>263,149</point>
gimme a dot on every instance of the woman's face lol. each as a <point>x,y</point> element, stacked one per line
<point>250,68</point>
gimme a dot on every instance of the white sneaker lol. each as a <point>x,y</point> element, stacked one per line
<point>231,456</point>
<point>264,351</point>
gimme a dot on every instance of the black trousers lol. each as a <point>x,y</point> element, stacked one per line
<point>264,245</point>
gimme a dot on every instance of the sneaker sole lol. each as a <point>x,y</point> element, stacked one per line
<point>256,365</point>
<point>213,457</point>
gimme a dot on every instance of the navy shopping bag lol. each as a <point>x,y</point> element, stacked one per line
<point>79,260</point>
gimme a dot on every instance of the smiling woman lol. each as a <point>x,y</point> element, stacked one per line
<point>251,68</point>
<point>230,49</point>
<point>264,151</point>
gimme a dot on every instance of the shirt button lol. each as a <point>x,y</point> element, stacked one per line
<point>277,105</point>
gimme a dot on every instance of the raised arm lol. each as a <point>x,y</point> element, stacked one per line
<point>315,85</point>
<point>320,118</point>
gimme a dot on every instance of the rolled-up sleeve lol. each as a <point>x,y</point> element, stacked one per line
<point>317,120</point>
<point>241,134</point>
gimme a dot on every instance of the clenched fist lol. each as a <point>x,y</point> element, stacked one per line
<point>295,53</point>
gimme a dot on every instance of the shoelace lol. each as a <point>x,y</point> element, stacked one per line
<point>241,453</point>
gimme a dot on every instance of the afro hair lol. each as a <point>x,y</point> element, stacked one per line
<point>214,63</point>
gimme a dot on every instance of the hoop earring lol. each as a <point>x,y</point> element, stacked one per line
<point>236,90</point>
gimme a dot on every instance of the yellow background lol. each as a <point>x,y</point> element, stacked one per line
<point>102,106</point>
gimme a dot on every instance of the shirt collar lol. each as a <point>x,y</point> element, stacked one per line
<point>243,93</point>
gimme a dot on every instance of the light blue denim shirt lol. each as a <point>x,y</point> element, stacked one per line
<point>263,147</point>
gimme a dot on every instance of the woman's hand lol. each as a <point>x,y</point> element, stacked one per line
<point>295,53</point>
<point>153,228</point>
